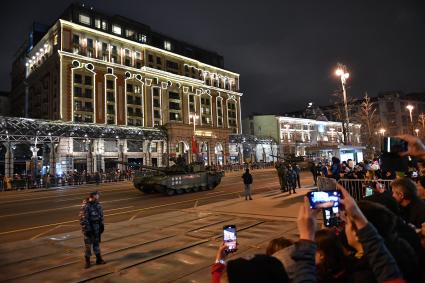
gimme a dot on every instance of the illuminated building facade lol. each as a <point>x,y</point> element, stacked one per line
<point>315,138</point>
<point>92,68</point>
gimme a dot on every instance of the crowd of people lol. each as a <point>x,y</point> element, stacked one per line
<point>73,178</point>
<point>380,239</point>
<point>289,176</point>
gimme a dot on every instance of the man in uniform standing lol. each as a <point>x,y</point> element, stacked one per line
<point>91,221</point>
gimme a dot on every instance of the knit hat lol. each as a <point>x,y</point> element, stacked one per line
<point>260,268</point>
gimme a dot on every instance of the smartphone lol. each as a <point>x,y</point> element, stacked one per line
<point>394,145</point>
<point>324,199</point>
<point>331,217</point>
<point>229,238</point>
<point>368,192</point>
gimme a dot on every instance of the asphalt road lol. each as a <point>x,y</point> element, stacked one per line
<point>28,215</point>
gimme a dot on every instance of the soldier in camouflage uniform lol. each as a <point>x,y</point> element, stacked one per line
<point>91,220</point>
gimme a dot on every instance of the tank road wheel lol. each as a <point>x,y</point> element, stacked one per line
<point>195,189</point>
<point>204,188</point>
<point>179,191</point>
<point>188,190</point>
<point>170,192</point>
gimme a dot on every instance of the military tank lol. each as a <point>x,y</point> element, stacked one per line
<point>176,179</point>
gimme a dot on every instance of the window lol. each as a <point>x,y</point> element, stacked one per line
<point>155,91</point>
<point>129,88</point>
<point>167,45</point>
<point>129,33</point>
<point>78,79</point>
<point>153,147</point>
<point>172,65</point>
<point>89,43</point>
<point>158,60</point>
<point>87,80</point>
<point>77,91</point>
<point>110,84</point>
<point>97,23</point>
<point>174,105</point>
<point>137,89</point>
<point>138,55</point>
<point>87,92</point>
<point>116,29</point>
<point>76,39</point>
<point>127,52</point>
<point>156,103</point>
<point>150,58</point>
<point>173,95</point>
<point>114,49</point>
<point>104,25</point>
<point>141,37</point>
<point>84,19</point>
<point>174,117</point>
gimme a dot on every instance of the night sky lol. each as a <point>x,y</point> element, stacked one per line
<point>285,51</point>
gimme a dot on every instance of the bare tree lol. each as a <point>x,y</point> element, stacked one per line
<point>339,114</point>
<point>421,121</point>
<point>369,121</point>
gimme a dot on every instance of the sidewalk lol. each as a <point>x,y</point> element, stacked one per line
<point>177,246</point>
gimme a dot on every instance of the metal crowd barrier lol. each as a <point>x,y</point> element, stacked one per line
<point>357,187</point>
<point>25,183</point>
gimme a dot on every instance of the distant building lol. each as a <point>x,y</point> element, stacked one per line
<point>315,138</point>
<point>393,115</point>
<point>4,103</point>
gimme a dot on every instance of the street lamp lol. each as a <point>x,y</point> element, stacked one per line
<point>410,108</point>
<point>382,131</point>
<point>341,72</point>
<point>417,132</point>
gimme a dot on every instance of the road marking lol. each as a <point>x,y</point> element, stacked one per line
<point>119,208</point>
<point>119,213</point>
<point>44,233</point>
<point>81,191</point>
<point>38,211</point>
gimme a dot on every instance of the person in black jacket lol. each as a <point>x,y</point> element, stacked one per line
<point>91,221</point>
<point>412,207</point>
<point>247,180</point>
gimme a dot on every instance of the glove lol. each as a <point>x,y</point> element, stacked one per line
<point>102,228</point>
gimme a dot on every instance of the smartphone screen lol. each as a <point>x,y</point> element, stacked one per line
<point>394,145</point>
<point>331,216</point>
<point>324,199</point>
<point>368,192</point>
<point>229,237</point>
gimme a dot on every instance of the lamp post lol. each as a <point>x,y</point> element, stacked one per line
<point>341,72</point>
<point>417,132</point>
<point>410,108</point>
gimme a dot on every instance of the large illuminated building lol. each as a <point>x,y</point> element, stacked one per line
<point>90,68</point>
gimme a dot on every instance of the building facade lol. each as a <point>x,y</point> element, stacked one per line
<point>92,68</point>
<point>315,138</point>
<point>394,117</point>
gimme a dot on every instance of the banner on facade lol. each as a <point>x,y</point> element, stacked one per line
<point>194,145</point>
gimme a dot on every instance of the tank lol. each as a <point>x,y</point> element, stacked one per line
<point>176,179</point>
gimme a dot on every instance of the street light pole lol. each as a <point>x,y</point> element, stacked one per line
<point>341,72</point>
<point>410,108</point>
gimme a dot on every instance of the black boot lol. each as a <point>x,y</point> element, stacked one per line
<point>88,264</point>
<point>99,259</point>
